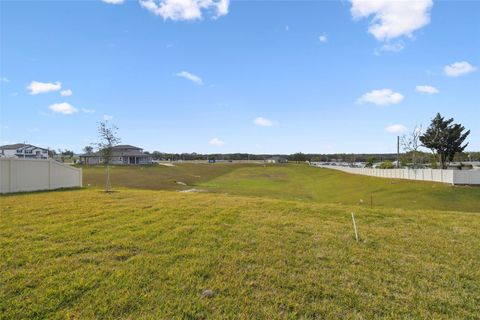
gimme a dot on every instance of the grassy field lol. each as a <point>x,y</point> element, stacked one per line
<point>142,254</point>
<point>270,241</point>
<point>158,177</point>
<point>293,182</point>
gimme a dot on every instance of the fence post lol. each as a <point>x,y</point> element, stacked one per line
<point>10,175</point>
<point>49,174</point>
<point>80,170</point>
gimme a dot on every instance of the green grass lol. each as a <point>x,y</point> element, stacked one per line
<point>293,182</point>
<point>271,242</point>
<point>157,177</point>
<point>301,182</point>
<point>141,254</point>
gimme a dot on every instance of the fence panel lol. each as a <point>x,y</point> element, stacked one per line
<point>471,177</point>
<point>20,175</point>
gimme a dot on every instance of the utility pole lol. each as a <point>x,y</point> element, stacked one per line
<point>398,152</point>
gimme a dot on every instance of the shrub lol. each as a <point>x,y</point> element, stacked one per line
<point>386,165</point>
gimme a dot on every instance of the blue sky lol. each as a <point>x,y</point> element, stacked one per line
<point>240,76</point>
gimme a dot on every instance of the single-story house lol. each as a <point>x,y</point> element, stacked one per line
<point>276,160</point>
<point>23,150</point>
<point>121,154</point>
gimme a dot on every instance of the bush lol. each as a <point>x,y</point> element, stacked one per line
<point>386,165</point>
<point>370,162</point>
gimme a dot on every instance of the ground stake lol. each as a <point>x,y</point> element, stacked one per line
<point>355,227</point>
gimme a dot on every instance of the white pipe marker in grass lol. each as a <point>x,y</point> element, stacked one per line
<point>355,227</point>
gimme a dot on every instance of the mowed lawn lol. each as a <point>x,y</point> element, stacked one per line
<point>158,177</point>
<point>142,254</point>
<point>294,182</point>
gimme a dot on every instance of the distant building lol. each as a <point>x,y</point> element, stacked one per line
<point>276,160</point>
<point>121,154</point>
<point>22,150</point>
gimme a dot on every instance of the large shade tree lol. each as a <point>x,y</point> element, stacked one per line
<point>444,138</point>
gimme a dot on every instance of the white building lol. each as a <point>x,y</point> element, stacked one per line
<point>276,160</point>
<point>22,150</point>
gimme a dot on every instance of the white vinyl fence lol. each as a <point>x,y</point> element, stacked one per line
<point>466,177</point>
<point>19,175</point>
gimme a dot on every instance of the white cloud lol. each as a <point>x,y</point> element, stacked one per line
<point>66,93</point>
<point>186,9</point>
<point>382,97</point>
<point>393,47</point>
<point>393,18</point>
<point>36,87</point>
<point>287,28</point>
<point>84,110</point>
<point>113,1</point>
<point>222,7</point>
<point>4,79</point>
<point>426,89</point>
<point>191,77</point>
<point>216,142</point>
<point>107,117</point>
<point>63,108</point>
<point>264,122</point>
<point>323,38</point>
<point>459,68</point>
<point>396,128</point>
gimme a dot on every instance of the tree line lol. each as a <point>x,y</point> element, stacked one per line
<point>444,138</point>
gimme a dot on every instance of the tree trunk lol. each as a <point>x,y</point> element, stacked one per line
<point>443,164</point>
<point>107,183</point>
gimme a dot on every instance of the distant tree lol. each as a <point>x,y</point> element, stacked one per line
<point>411,143</point>
<point>386,165</point>
<point>107,140</point>
<point>68,153</point>
<point>51,152</point>
<point>370,162</point>
<point>62,156</point>
<point>88,149</point>
<point>158,155</point>
<point>403,162</point>
<point>444,138</point>
<point>298,157</point>
<point>65,154</point>
<point>473,156</point>
<point>433,162</point>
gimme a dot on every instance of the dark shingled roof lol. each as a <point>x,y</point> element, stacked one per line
<point>14,146</point>
<point>126,146</point>
<point>19,146</point>
<point>119,150</point>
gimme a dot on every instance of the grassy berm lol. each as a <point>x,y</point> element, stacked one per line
<point>293,182</point>
<point>145,254</point>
